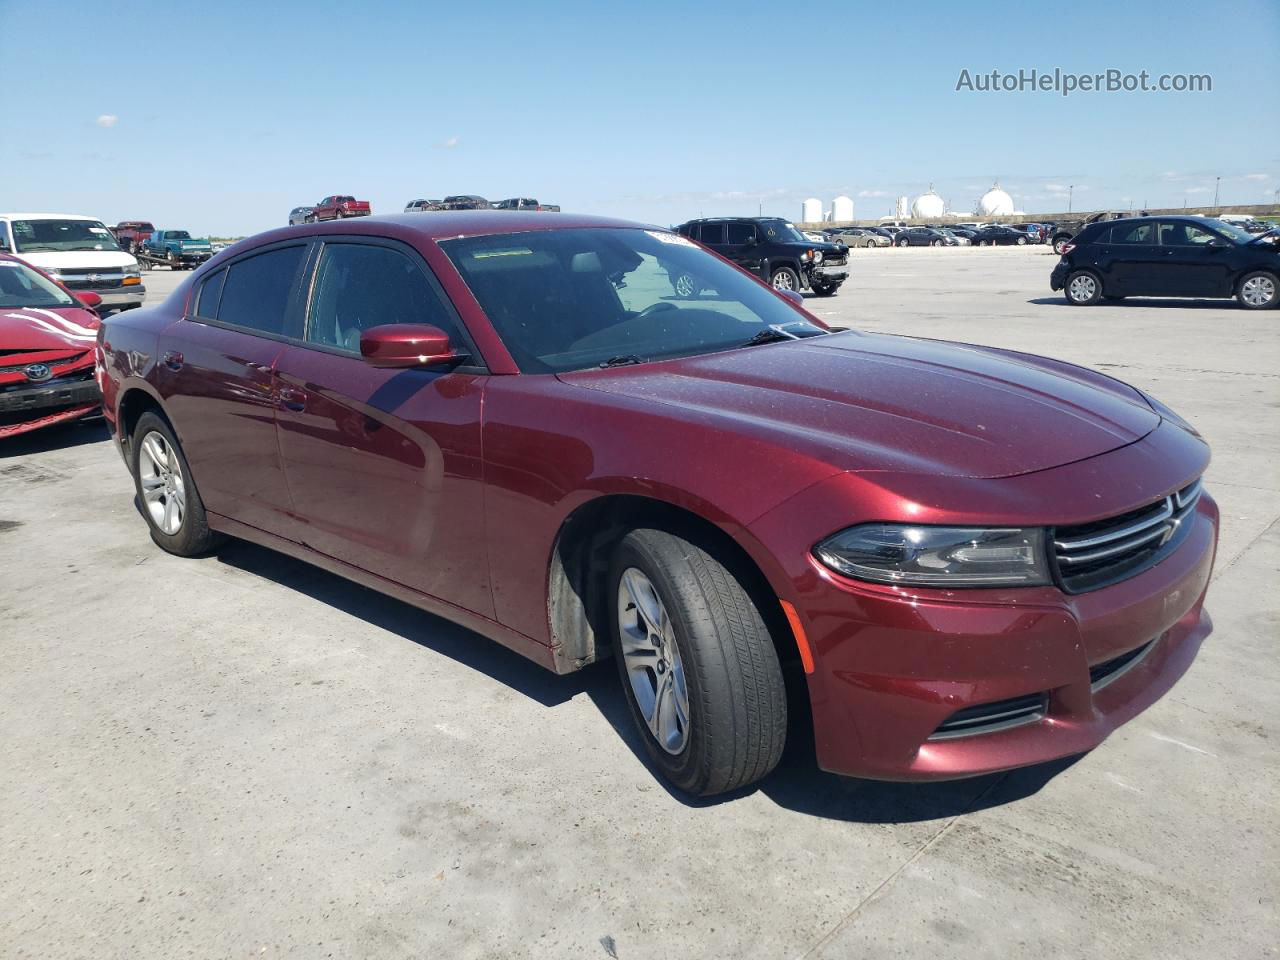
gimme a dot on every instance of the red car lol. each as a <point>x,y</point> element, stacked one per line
<point>338,207</point>
<point>47,337</point>
<point>975,559</point>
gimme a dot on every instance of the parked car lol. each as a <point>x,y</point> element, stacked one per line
<point>339,207</point>
<point>1168,257</point>
<point>300,215</point>
<point>955,238</point>
<point>177,248</point>
<point>859,237</point>
<point>468,201</point>
<point>1035,232</point>
<point>132,234</point>
<point>721,491</point>
<point>1247,223</point>
<point>771,248</point>
<point>998,235</point>
<point>422,206</point>
<point>78,252</point>
<point>1065,230</point>
<point>964,233</point>
<point>518,203</point>
<point>923,237</point>
<point>47,337</point>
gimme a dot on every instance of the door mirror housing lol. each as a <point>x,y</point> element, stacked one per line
<point>795,296</point>
<point>407,345</point>
<point>89,299</point>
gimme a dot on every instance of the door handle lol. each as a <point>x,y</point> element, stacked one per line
<point>172,359</point>
<point>292,399</point>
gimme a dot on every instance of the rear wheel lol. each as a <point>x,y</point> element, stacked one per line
<point>904,242</point>
<point>1060,245</point>
<point>698,666</point>
<point>1022,241</point>
<point>784,278</point>
<point>1258,290</point>
<point>1083,289</point>
<point>167,495</point>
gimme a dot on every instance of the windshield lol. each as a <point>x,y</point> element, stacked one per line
<point>573,299</point>
<point>1236,233</point>
<point>20,286</point>
<point>782,230</point>
<point>30,236</point>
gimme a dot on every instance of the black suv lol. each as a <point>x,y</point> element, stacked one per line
<point>1168,257</point>
<point>772,249</point>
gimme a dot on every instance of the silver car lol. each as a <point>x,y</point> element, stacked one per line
<point>861,237</point>
<point>299,215</point>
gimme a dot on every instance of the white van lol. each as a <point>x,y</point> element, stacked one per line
<point>79,251</point>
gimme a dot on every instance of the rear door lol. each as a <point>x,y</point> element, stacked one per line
<point>215,371</point>
<point>1130,260</point>
<point>384,465</point>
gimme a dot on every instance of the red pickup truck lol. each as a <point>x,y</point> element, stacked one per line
<point>337,207</point>
<point>132,234</point>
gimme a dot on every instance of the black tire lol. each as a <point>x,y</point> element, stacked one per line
<point>1021,241</point>
<point>193,537</point>
<point>1086,292</point>
<point>904,242</point>
<point>308,219</point>
<point>1258,283</point>
<point>826,289</point>
<point>936,243</point>
<point>784,278</point>
<point>737,702</point>
<point>1060,245</point>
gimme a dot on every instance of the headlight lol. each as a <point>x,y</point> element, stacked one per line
<point>938,556</point>
<point>817,256</point>
<point>133,270</point>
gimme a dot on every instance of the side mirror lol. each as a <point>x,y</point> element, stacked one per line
<point>1216,244</point>
<point>407,345</point>
<point>793,295</point>
<point>89,299</point>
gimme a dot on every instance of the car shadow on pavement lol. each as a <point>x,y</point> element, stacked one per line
<point>60,436</point>
<point>797,783</point>
<point>1061,301</point>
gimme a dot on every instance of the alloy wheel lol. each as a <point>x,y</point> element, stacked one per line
<point>1082,288</point>
<point>164,492</point>
<point>1258,291</point>
<point>652,660</point>
<point>782,281</point>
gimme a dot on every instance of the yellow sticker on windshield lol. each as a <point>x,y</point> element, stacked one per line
<point>671,238</point>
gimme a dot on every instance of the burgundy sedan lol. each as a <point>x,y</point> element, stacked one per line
<point>976,559</point>
<point>47,337</point>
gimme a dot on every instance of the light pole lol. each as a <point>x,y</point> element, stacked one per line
<point>1070,190</point>
<point>1216,181</point>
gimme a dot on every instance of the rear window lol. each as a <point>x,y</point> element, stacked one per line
<point>1133,233</point>
<point>256,291</point>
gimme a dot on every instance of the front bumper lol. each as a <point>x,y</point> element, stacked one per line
<point>824,274</point>
<point>41,405</point>
<point>894,666</point>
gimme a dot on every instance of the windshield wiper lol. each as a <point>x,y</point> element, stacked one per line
<point>623,360</point>
<point>771,334</point>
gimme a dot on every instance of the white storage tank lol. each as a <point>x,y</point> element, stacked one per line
<point>928,206</point>
<point>811,211</point>
<point>995,203</point>
<point>841,210</point>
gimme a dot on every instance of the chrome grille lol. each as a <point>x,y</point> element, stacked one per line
<point>1093,555</point>
<point>991,717</point>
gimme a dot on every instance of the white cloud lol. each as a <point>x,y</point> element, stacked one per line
<point>1257,176</point>
<point>448,143</point>
<point>872,193</point>
<point>107,120</point>
<point>1196,190</point>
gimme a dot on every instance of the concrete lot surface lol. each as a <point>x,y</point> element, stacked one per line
<point>241,756</point>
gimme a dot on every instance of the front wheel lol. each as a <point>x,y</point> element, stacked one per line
<point>904,242</point>
<point>1083,289</point>
<point>166,492</point>
<point>1258,291</point>
<point>1022,241</point>
<point>698,666</point>
<point>826,289</point>
<point>784,278</point>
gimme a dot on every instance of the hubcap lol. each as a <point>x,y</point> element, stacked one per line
<point>652,659</point>
<point>1082,287</point>
<point>163,491</point>
<point>1258,291</point>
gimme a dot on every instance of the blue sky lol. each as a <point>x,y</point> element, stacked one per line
<point>220,117</point>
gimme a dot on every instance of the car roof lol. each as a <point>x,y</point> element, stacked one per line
<point>448,224</point>
<point>48,216</point>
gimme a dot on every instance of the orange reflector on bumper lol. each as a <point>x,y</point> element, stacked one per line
<point>802,642</point>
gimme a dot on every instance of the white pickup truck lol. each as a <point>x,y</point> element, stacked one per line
<point>79,252</point>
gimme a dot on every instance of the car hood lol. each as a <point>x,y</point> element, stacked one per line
<point>30,329</point>
<point>70,259</point>
<point>865,402</point>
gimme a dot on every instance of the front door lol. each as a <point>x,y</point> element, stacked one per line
<point>1189,266</point>
<point>741,247</point>
<point>214,369</point>
<point>384,465</point>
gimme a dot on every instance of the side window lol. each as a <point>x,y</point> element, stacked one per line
<point>1142,233</point>
<point>359,286</point>
<point>256,291</point>
<point>210,292</point>
<point>1174,234</point>
<point>740,232</point>
<point>711,233</point>
<point>4,236</point>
